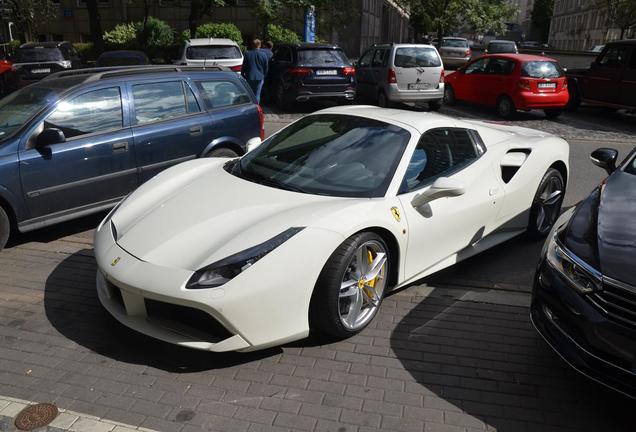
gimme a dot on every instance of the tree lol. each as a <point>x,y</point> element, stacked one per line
<point>28,15</point>
<point>541,17</point>
<point>199,8</point>
<point>95,25</point>
<point>621,14</point>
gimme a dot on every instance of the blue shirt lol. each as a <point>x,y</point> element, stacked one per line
<point>255,65</point>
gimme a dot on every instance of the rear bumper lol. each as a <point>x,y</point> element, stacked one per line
<point>394,94</point>
<point>529,100</point>
<point>305,95</point>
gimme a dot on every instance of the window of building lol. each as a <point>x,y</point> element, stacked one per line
<point>158,101</point>
<point>218,94</point>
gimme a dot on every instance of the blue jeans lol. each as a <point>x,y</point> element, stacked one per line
<point>257,86</point>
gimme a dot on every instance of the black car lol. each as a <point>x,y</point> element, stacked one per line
<point>303,72</point>
<point>122,58</point>
<point>36,60</point>
<point>584,296</point>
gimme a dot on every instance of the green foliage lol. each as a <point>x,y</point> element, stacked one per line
<point>279,34</point>
<point>155,34</point>
<point>220,30</point>
<point>30,15</point>
<point>86,50</point>
<point>621,14</point>
<point>122,36</point>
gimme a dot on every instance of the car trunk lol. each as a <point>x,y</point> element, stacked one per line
<point>542,77</point>
<point>323,70</point>
<point>417,68</point>
<point>458,49</point>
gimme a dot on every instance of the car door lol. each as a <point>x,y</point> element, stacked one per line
<point>364,76</point>
<point>467,86</point>
<point>379,72</point>
<point>628,82</point>
<point>168,124</point>
<point>496,80</point>
<point>447,226</point>
<point>281,61</point>
<point>93,166</point>
<point>602,81</point>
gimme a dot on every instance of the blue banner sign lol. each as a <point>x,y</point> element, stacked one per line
<point>310,24</point>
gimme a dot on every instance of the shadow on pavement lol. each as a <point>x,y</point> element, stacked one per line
<point>72,307</point>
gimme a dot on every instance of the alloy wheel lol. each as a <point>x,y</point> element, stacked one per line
<point>549,204</point>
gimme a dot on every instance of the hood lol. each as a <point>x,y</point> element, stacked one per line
<point>617,227</point>
<point>197,213</point>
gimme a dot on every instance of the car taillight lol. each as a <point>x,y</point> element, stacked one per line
<point>261,119</point>
<point>441,76</point>
<point>236,68</point>
<point>391,78</point>
<point>349,71</point>
<point>524,84</point>
<point>299,71</point>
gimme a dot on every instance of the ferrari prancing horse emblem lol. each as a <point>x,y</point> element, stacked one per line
<point>115,261</point>
<point>396,213</point>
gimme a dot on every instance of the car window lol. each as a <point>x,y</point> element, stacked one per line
<point>501,47</point>
<point>39,54</point>
<point>410,57</point>
<point>213,52</point>
<point>21,105</point>
<point>614,57</point>
<point>380,58</point>
<point>95,111</point>
<point>500,66</point>
<point>219,93</point>
<point>476,67</point>
<point>455,43</point>
<point>158,101</point>
<point>322,57</point>
<point>365,60</point>
<point>541,69</point>
<point>191,100</point>
<point>440,152</point>
<point>283,54</point>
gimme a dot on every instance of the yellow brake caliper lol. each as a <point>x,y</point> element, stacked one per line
<point>373,281</point>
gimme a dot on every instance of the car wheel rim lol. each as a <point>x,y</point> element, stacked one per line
<point>362,286</point>
<point>448,96</point>
<point>504,107</point>
<point>549,204</point>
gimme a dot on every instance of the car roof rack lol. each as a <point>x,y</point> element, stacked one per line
<point>99,73</point>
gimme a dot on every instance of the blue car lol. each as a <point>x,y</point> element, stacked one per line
<point>77,142</point>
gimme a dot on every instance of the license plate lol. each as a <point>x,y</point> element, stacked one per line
<point>43,70</point>
<point>326,72</point>
<point>547,85</point>
<point>419,86</point>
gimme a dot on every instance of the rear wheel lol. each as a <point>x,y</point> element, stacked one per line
<point>505,107</point>
<point>434,105</point>
<point>351,286</point>
<point>280,97</point>
<point>383,101</point>
<point>449,95</point>
<point>5,228</point>
<point>552,113</point>
<point>222,152</point>
<point>546,206</point>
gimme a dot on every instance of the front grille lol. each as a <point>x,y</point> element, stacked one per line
<point>186,320</point>
<point>617,300</point>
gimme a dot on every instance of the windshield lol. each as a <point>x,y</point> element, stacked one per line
<point>328,154</point>
<point>213,52</point>
<point>501,47</point>
<point>38,54</point>
<point>319,57</point>
<point>458,43</point>
<point>541,69</point>
<point>17,108</point>
<point>631,167</point>
<point>416,57</point>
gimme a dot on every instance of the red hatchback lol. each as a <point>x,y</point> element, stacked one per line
<point>510,82</point>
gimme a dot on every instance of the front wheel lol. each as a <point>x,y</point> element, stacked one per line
<point>449,95</point>
<point>351,286</point>
<point>5,228</point>
<point>546,206</point>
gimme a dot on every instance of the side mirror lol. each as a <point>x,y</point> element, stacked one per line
<point>49,137</point>
<point>442,187</point>
<point>605,158</point>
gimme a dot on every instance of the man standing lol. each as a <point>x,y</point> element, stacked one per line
<point>269,46</point>
<point>254,68</point>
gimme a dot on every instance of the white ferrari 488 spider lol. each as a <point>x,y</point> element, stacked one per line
<point>312,228</point>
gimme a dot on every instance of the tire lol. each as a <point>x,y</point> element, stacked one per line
<point>449,95</point>
<point>383,101</point>
<point>333,309</point>
<point>552,113</point>
<point>506,107</point>
<point>434,105</point>
<point>222,152</point>
<point>546,208</point>
<point>5,228</point>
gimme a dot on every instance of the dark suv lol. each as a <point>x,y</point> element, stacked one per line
<point>37,60</point>
<point>77,142</point>
<point>303,72</point>
<point>610,81</point>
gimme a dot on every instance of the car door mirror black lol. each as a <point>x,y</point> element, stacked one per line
<point>49,137</point>
<point>605,158</point>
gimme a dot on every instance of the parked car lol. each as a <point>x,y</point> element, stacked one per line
<point>122,58</point>
<point>304,72</point>
<point>404,73</point>
<point>36,60</point>
<point>6,68</point>
<point>77,142</point>
<point>315,227</point>
<point>584,296</point>
<point>529,44</point>
<point>501,47</point>
<point>610,81</point>
<point>455,51</point>
<point>510,82</point>
<point>211,52</point>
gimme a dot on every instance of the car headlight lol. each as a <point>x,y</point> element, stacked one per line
<point>66,64</point>
<point>583,277</point>
<point>221,272</point>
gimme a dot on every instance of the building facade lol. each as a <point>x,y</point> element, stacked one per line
<point>579,25</point>
<point>523,16</point>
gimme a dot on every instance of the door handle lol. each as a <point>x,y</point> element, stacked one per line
<point>493,191</point>
<point>120,147</point>
<point>196,130</point>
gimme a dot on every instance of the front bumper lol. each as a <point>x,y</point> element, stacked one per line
<point>394,94</point>
<point>601,349</point>
<point>255,310</point>
<point>529,100</point>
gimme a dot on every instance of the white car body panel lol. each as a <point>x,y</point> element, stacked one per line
<point>196,213</point>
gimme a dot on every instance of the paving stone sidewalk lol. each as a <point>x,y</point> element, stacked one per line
<point>452,359</point>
